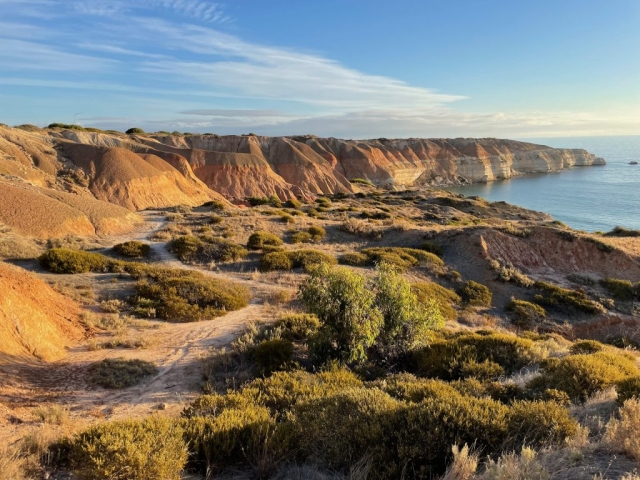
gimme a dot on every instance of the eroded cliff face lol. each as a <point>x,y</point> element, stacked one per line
<point>233,165</point>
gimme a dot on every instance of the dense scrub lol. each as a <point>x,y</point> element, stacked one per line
<point>132,249</point>
<point>475,293</point>
<point>563,299</point>
<point>259,240</point>
<point>206,248</point>
<point>286,260</point>
<point>120,373</point>
<point>63,260</point>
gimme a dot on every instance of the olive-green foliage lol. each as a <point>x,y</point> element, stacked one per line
<point>580,376</point>
<point>64,260</point>
<point>401,257</point>
<point>218,205</point>
<point>444,297</point>
<point>622,232</point>
<point>287,218</point>
<point>293,203</point>
<point>272,355</point>
<point>339,429</point>
<point>298,326</point>
<point>362,181</point>
<point>345,304</point>
<point>205,249</point>
<point>621,289</point>
<point>192,297</point>
<point>407,322</point>
<point>132,249</point>
<point>261,239</point>
<point>148,449</point>
<point>301,237</point>
<point>539,423</point>
<point>628,388</point>
<point>586,346</point>
<point>119,372</point>
<point>135,131</point>
<point>559,297</point>
<point>406,387</point>
<point>274,201</point>
<point>526,314</point>
<point>432,248</point>
<point>354,259</point>
<point>275,261</point>
<point>232,438</point>
<point>456,356</point>
<point>305,259</point>
<point>317,232</point>
<point>256,201</point>
<point>475,293</point>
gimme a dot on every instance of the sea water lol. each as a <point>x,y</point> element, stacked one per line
<point>595,198</point>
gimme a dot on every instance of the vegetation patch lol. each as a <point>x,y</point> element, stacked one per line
<point>622,290</point>
<point>558,297</point>
<point>622,232</point>
<point>148,449</point>
<point>203,249</point>
<point>474,293</point>
<point>120,373</point>
<point>260,239</point>
<point>305,259</point>
<point>444,298</point>
<point>132,249</point>
<point>526,315</point>
<point>63,260</point>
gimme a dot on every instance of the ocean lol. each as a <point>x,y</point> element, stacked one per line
<point>595,198</point>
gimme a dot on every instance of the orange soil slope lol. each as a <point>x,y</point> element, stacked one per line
<point>35,321</point>
<point>47,213</point>
<point>122,177</point>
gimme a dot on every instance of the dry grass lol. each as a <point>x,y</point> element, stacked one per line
<point>361,228</point>
<point>19,248</point>
<point>623,434</point>
<point>12,463</point>
<point>464,465</point>
<point>121,342</point>
<point>110,323</point>
<point>52,414</point>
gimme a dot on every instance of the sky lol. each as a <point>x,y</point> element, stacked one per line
<point>341,68</point>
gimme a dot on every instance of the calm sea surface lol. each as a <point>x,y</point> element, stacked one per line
<point>585,198</point>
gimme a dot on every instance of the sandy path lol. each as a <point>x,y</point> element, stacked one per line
<point>177,350</point>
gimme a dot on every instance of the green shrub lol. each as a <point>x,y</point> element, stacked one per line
<point>135,131</point>
<point>475,293</point>
<point>408,388</point>
<point>317,232</point>
<point>622,232</point>
<point>444,298</point>
<point>275,261</point>
<point>63,260</point>
<point>451,358</point>
<point>628,388</point>
<point>401,257</point>
<point>354,259</point>
<point>526,315</point>
<point>580,376</point>
<point>274,201</point>
<point>261,239</point>
<point>345,304</point>
<point>132,249</point>
<point>298,326</point>
<point>586,346</point>
<point>193,297</point>
<point>148,449</point>
<point>218,205</point>
<point>339,429</point>
<point>622,290</point>
<point>206,249</point>
<point>308,259</point>
<point>257,201</point>
<point>301,237</point>
<point>555,296</point>
<point>233,438</point>
<point>432,248</point>
<point>287,218</point>
<point>293,203</point>
<point>120,373</point>
<point>539,423</point>
<point>272,355</point>
<point>362,181</point>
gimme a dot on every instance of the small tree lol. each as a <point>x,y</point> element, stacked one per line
<point>407,321</point>
<point>345,303</point>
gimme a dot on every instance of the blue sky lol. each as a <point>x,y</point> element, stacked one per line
<point>350,68</point>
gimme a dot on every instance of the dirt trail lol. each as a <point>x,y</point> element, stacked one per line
<point>177,350</point>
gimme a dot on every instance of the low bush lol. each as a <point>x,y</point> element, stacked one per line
<point>272,355</point>
<point>623,290</point>
<point>628,388</point>
<point>401,257</point>
<point>287,218</point>
<point>445,298</point>
<point>148,449</point>
<point>622,434</point>
<point>63,260</point>
<point>120,373</point>
<point>558,297</point>
<point>526,315</point>
<point>203,249</point>
<point>132,249</point>
<point>362,181</point>
<point>301,237</point>
<point>580,376</point>
<point>135,131</point>
<point>218,205</point>
<point>293,203</point>
<point>275,261</point>
<point>298,326</point>
<point>233,438</point>
<point>317,232</point>
<point>622,232</point>
<point>474,293</point>
<point>432,248</point>
<point>539,423</point>
<point>586,346</point>
<point>261,239</point>
<point>507,272</point>
<point>354,259</point>
<point>457,356</point>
